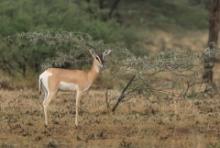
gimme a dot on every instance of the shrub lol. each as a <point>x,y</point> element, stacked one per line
<point>33,51</point>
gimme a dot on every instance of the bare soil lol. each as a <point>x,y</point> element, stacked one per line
<point>137,122</point>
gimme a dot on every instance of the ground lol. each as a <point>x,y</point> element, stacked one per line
<point>137,122</point>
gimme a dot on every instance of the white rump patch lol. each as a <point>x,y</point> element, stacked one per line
<point>67,86</point>
<point>44,78</point>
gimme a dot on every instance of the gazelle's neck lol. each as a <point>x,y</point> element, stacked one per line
<point>93,72</point>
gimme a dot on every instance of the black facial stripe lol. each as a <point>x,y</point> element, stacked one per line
<point>97,57</point>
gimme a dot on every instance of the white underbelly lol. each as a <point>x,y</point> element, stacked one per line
<point>67,86</point>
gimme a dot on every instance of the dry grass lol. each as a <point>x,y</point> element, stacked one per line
<point>139,122</point>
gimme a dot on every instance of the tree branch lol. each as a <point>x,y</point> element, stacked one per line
<point>122,95</point>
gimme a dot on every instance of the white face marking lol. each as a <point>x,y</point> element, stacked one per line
<point>99,61</point>
<point>67,86</point>
<point>44,79</point>
<point>97,57</point>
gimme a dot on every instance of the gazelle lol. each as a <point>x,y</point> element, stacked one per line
<point>54,79</point>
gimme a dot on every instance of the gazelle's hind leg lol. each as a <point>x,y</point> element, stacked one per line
<point>78,93</point>
<point>46,102</point>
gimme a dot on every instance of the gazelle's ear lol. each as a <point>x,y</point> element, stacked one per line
<point>92,52</point>
<point>107,52</point>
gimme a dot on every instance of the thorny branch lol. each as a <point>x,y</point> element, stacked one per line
<point>184,68</point>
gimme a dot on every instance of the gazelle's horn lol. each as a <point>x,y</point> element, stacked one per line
<point>107,52</point>
<point>92,52</point>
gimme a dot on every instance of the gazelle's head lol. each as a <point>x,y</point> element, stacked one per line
<point>99,59</point>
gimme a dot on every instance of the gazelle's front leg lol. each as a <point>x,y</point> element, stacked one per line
<point>78,93</point>
<point>46,102</point>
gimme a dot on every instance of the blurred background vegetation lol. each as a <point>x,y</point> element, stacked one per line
<point>36,34</point>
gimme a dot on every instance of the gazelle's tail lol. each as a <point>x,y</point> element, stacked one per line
<point>40,84</point>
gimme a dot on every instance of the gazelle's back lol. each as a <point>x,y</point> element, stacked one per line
<point>73,76</point>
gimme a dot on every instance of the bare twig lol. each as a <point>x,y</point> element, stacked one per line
<point>107,100</point>
<point>154,89</point>
<point>122,95</point>
<point>186,90</point>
